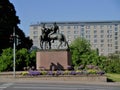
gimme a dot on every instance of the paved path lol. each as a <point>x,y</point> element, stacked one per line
<point>54,86</point>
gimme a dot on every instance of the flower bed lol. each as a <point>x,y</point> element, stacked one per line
<point>63,73</point>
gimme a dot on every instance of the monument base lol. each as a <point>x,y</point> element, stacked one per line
<point>53,59</point>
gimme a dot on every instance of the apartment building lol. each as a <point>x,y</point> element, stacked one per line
<point>102,35</point>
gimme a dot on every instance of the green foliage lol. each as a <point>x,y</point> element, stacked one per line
<point>79,49</point>
<point>8,21</point>
<point>23,59</point>
<point>82,54</point>
<point>112,66</point>
<point>113,77</point>
<point>6,60</point>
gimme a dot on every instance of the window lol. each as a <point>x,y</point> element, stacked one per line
<point>102,40</point>
<point>109,40</point>
<point>76,32</point>
<point>95,36</point>
<point>102,31</point>
<point>87,31</point>
<point>116,25</point>
<point>35,27</point>
<point>88,36</point>
<point>95,40</point>
<point>95,31</point>
<point>109,26</point>
<point>102,36</point>
<point>109,31</point>
<point>88,27</point>
<point>35,32</point>
<point>75,27</point>
<point>62,27</point>
<point>68,36</point>
<point>110,36</point>
<point>68,32</point>
<point>82,26</point>
<point>116,38</point>
<point>116,33</point>
<point>116,47</point>
<point>116,29</point>
<point>102,45</point>
<point>75,36</point>
<point>35,37</point>
<point>82,34</point>
<point>101,26</point>
<point>82,30</point>
<point>95,26</point>
<point>68,27</point>
<point>116,42</point>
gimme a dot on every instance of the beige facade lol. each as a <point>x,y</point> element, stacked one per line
<point>104,35</point>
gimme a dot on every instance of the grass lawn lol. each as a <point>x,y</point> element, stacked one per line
<point>113,77</point>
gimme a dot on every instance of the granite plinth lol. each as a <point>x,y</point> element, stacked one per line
<point>53,59</point>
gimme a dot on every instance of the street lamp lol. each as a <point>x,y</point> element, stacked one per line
<point>14,40</point>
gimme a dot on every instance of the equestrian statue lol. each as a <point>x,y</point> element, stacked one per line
<point>49,35</point>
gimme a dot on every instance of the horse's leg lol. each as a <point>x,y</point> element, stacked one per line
<point>65,42</point>
<point>49,44</point>
<point>60,44</point>
<point>45,45</point>
<point>41,44</point>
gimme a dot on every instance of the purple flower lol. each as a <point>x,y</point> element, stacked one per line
<point>59,72</point>
<point>34,73</point>
<point>101,72</point>
<point>50,73</point>
<point>73,73</point>
<point>90,66</point>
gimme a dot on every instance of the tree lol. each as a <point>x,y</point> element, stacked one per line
<point>82,54</point>
<point>80,48</point>
<point>6,60</point>
<point>24,58</point>
<point>8,22</point>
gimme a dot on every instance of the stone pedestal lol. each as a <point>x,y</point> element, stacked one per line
<point>53,59</point>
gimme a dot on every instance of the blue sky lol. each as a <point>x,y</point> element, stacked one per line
<point>33,11</point>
